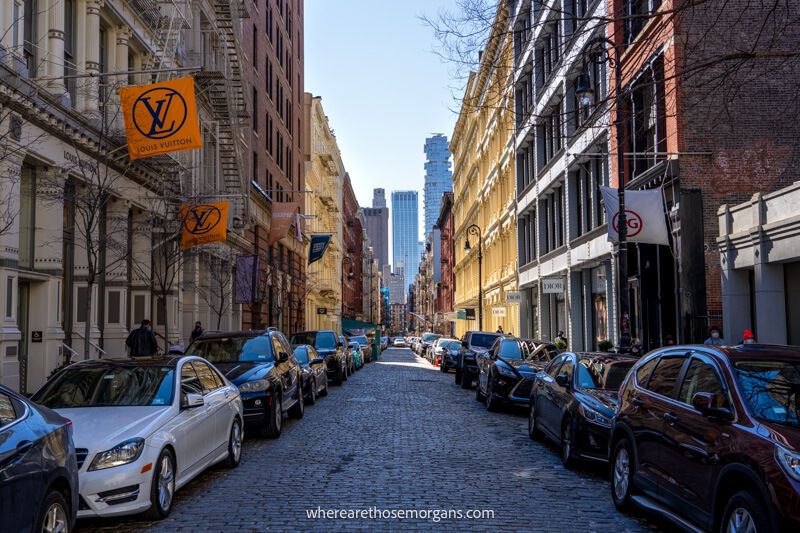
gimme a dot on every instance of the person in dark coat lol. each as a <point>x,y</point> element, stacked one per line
<point>197,331</point>
<point>142,341</point>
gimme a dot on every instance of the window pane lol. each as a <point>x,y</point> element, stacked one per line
<point>9,297</point>
<point>7,414</point>
<point>700,377</point>
<point>114,300</point>
<point>83,304</point>
<point>666,375</point>
<point>138,308</point>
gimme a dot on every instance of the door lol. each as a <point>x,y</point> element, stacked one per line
<point>484,361</point>
<point>693,440</point>
<point>653,400</point>
<point>287,373</point>
<point>544,392</point>
<point>192,425</point>
<point>216,397</point>
<point>559,396</point>
<point>23,321</point>
<point>20,466</point>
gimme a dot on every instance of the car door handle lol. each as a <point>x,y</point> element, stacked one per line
<point>670,417</point>
<point>24,446</point>
<point>637,402</point>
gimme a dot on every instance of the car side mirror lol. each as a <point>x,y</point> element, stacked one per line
<point>190,400</point>
<point>705,402</point>
<point>563,380</point>
<point>283,357</point>
<point>317,361</point>
<point>464,344</point>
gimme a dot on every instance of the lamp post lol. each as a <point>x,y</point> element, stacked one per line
<point>474,229</point>
<point>346,259</point>
<point>585,94</point>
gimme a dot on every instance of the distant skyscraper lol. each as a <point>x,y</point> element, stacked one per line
<point>377,219</point>
<point>405,233</point>
<point>438,177</point>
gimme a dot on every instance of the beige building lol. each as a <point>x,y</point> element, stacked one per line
<point>325,174</point>
<point>88,242</point>
<point>484,188</point>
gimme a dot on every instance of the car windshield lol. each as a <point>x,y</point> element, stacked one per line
<point>301,354</point>
<point>109,386</point>
<point>354,345</point>
<point>510,350</point>
<point>430,337</point>
<point>482,340</point>
<point>233,349</point>
<point>452,345</point>
<point>771,390</point>
<point>602,373</point>
<point>360,339</point>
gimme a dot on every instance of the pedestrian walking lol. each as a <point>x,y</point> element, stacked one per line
<point>142,342</point>
<point>500,329</point>
<point>197,331</point>
<point>715,337</point>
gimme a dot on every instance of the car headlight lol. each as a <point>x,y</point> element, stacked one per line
<point>121,454</point>
<point>254,386</point>
<point>506,371</point>
<point>590,415</point>
<point>789,460</point>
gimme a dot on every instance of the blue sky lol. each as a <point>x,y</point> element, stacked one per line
<point>382,88</point>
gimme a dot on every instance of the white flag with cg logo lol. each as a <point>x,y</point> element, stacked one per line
<point>644,213</point>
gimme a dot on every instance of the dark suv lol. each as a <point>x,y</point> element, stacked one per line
<point>472,344</point>
<point>263,366</point>
<point>329,347</point>
<point>710,437</point>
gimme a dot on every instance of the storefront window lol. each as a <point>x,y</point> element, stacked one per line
<point>599,306</point>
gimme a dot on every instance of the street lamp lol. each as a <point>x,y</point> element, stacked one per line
<point>585,94</point>
<point>474,229</point>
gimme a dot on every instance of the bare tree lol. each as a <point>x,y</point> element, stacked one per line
<point>216,286</point>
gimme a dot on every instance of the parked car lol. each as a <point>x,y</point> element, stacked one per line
<point>507,370</point>
<point>399,342</point>
<point>384,343</point>
<point>450,352</point>
<point>329,347</point>
<point>144,428</point>
<point>573,401</point>
<point>38,467</point>
<point>427,341</point>
<point>315,378</point>
<point>472,344</point>
<point>263,367</point>
<point>358,355</point>
<point>351,364</point>
<point>710,436</point>
<point>366,347</point>
<point>437,349</point>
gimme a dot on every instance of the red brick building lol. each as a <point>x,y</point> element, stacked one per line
<point>273,46</point>
<point>708,128</point>
<point>446,288</point>
<point>352,301</point>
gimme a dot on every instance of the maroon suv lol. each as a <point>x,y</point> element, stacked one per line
<point>710,437</point>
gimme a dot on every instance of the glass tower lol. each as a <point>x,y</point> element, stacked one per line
<point>405,233</point>
<point>438,177</point>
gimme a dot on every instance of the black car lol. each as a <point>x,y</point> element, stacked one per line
<point>507,370</point>
<point>38,468</point>
<point>315,378</point>
<point>450,353</point>
<point>351,360</point>
<point>330,348</point>
<point>472,344</point>
<point>264,368</point>
<point>573,402</point>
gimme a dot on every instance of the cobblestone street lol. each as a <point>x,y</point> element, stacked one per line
<point>398,435</point>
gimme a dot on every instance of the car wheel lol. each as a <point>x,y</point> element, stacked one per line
<point>622,469</point>
<point>324,392</point>
<point>745,514</point>
<point>235,445</point>
<point>298,409</point>
<point>466,379</point>
<point>479,396</point>
<point>53,515</point>
<point>492,403</point>
<point>162,488</point>
<point>274,422</point>
<point>533,430</point>
<point>567,444</point>
<point>345,372</point>
<point>443,367</point>
<point>458,375</point>
<point>312,399</point>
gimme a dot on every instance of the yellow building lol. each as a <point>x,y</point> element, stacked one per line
<point>323,209</point>
<point>484,187</point>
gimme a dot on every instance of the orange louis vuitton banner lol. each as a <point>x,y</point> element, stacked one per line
<point>203,223</point>
<point>160,118</point>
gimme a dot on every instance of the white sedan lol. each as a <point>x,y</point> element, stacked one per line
<point>141,433</point>
<point>399,342</point>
